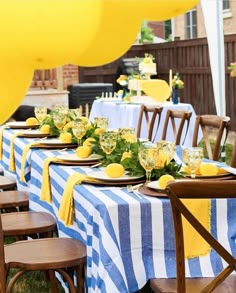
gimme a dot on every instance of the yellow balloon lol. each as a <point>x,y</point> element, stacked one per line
<point>116,32</point>
<point>155,9</point>
<point>40,34</point>
<point>48,33</point>
<point>15,79</point>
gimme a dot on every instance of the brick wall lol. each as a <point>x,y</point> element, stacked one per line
<point>70,75</point>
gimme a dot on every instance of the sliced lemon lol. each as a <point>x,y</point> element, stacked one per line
<point>83,151</point>
<point>114,170</point>
<point>164,179</point>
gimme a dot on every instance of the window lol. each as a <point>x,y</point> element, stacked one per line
<point>191,24</point>
<point>226,5</point>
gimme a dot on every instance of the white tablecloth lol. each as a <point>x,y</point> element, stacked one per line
<point>127,114</point>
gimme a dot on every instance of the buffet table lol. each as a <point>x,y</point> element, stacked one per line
<point>129,238</point>
<point>123,114</point>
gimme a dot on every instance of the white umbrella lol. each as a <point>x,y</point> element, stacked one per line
<point>213,14</point>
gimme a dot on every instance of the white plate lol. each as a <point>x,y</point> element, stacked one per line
<point>51,141</point>
<point>101,175</point>
<point>75,158</point>
<point>20,124</point>
<point>154,185</point>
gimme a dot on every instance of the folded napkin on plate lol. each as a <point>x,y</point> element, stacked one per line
<point>45,194</point>
<point>66,209</point>
<point>1,139</point>
<point>12,166</point>
<point>23,161</point>
<point>194,244</point>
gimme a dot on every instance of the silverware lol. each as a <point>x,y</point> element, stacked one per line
<point>96,165</point>
<point>132,188</point>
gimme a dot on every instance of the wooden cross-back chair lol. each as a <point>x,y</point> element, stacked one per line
<point>184,119</point>
<point>206,122</point>
<point>197,189</point>
<point>150,114</point>
<point>63,255</point>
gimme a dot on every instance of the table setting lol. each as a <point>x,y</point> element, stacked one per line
<point>101,192</point>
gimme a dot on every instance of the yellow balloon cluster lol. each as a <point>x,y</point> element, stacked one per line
<point>41,34</point>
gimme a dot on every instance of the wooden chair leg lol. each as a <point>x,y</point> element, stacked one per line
<point>53,281</point>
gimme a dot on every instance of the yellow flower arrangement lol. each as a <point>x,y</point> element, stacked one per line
<point>177,82</point>
<point>232,68</point>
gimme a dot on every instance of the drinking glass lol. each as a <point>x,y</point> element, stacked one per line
<point>101,122</point>
<point>192,157</point>
<point>126,131</point>
<point>40,113</point>
<point>59,120</point>
<point>147,158</point>
<point>165,152</point>
<point>74,113</point>
<point>108,141</point>
<point>79,129</point>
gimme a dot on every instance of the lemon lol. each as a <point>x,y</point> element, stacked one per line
<point>45,129</point>
<point>114,170</point>
<point>83,151</point>
<point>208,169</point>
<point>164,179</point>
<point>68,125</point>
<point>89,141</point>
<point>99,131</point>
<point>31,121</point>
<point>126,155</point>
<point>65,137</point>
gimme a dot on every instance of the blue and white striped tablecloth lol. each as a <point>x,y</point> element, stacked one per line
<point>129,240</point>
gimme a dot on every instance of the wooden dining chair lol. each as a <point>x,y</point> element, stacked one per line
<point>183,118</point>
<point>150,114</point>
<point>197,189</point>
<point>13,201</point>
<point>7,182</point>
<point>233,154</point>
<point>63,255</point>
<point>206,123</point>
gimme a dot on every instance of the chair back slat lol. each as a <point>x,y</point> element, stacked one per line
<point>221,124</point>
<point>172,116</point>
<point>150,114</point>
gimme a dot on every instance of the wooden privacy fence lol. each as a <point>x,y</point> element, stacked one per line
<point>188,57</point>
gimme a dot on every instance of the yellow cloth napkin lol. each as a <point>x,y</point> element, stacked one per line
<point>12,166</point>
<point>23,161</point>
<point>1,139</point>
<point>66,209</point>
<point>45,194</point>
<point>195,245</point>
<point>156,88</point>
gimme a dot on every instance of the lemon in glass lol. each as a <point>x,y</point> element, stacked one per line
<point>65,137</point>
<point>31,121</point>
<point>164,179</point>
<point>45,129</point>
<point>83,151</point>
<point>114,170</point>
<point>208,169</point>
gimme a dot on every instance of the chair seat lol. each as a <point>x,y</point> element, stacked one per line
<point>50,253</point>
<point>7,182</point>
<point>14,198</point>
<point>193,285</point>
<point>26,223</point>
